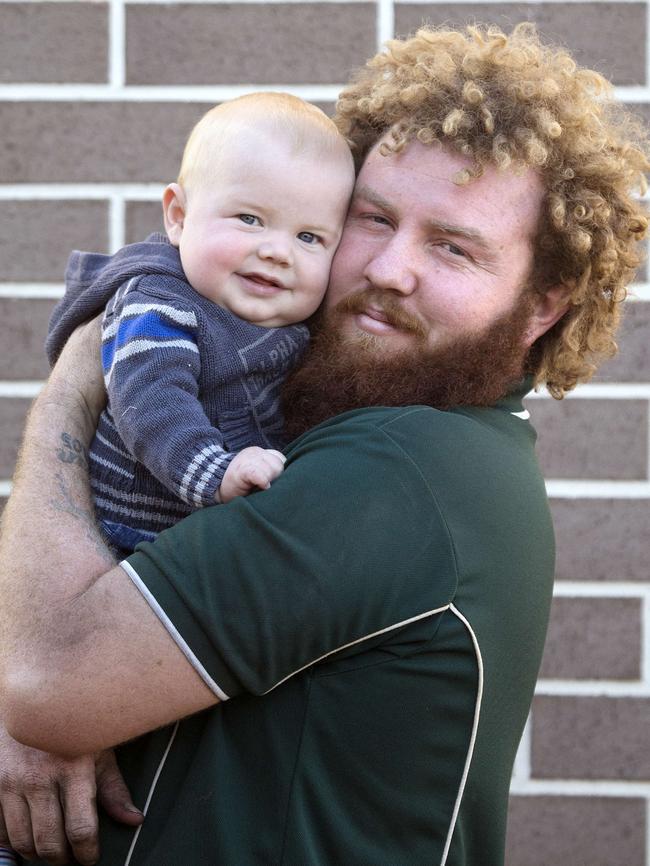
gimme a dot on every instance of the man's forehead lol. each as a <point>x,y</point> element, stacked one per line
<point>428,175</point>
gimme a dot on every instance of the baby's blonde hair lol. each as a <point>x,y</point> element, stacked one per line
<point>301,125</point>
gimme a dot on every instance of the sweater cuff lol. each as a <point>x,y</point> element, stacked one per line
<point>204,475</point>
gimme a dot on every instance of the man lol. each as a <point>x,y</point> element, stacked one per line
<point>352,654</point>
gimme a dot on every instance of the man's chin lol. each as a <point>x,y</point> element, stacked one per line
<point>379,345</point>
<point>349,369</point>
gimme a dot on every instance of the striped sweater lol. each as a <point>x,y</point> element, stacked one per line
<point>189,384</point>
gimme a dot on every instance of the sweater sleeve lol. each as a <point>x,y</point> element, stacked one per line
<point>151,362</point>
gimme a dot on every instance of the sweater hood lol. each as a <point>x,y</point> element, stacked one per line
<point>91,280</point>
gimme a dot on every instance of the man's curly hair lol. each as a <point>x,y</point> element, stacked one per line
<point>513,102</point>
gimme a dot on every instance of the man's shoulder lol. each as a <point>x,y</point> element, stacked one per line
<point>447,448</point>
<point>453,427</point>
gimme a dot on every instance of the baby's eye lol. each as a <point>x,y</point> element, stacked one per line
<point>249,219</point>
<point>309,238</point>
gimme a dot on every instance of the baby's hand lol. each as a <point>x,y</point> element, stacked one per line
<point>252,468</point>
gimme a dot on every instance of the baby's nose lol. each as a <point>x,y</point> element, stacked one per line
<point>276,249</point>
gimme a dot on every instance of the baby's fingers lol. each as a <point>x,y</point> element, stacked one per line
<point>262,471</point>
<point>274,461</point>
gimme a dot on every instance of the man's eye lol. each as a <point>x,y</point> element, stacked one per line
<point>454,250</point>
<point>309,238</point>
<point>249,219</point>
<point>376,218</point>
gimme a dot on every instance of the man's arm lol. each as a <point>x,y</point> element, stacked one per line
<point>85,662</point>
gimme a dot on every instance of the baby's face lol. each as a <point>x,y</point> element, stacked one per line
<point>260,240</point>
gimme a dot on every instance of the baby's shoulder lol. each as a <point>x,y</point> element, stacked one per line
<point>161,288</point>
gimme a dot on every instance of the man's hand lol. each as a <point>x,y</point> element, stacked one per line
<point>250,469</point>
<point>48,803</point>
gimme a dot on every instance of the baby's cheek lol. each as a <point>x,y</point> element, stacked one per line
<point>321,283</point>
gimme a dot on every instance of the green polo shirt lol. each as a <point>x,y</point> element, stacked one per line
<point>373,625</point>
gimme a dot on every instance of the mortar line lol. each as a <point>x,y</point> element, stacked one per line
<point>385,22</point>
<point>647,45</point>
<point>116,223</point>
<point>522,766</point>
<point>117,43</point>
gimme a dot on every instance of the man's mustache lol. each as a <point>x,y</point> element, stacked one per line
<point>390,308</point>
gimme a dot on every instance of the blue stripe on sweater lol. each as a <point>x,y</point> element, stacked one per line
<point>151,326</point>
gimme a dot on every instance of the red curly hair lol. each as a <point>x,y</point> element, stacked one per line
<point>513,102</point>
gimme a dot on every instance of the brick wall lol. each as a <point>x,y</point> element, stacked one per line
<point>96,99</point>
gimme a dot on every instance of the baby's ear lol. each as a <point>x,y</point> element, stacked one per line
<point>174,205</point>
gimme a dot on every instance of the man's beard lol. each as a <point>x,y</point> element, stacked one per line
<point>340,373</point>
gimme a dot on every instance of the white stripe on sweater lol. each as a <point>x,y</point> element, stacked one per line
<point>139,498</point>
<point>112,466</point>
<point>181,317</point>
<point>197,461</point>
<point>122,452</point>
<point>136,347</point>
<point>206,475</point>
<point>167,519</point>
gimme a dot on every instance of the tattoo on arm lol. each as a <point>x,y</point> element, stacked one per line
<point>72,451</point>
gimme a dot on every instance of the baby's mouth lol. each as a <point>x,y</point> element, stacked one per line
<point>263,281</point>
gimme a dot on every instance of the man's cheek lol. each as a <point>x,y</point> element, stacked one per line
<point>346,274</point>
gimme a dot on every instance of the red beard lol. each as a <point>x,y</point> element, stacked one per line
<point>339,373</point>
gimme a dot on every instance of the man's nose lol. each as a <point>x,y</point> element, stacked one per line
<point>276,248</point>
<point>393,268</point>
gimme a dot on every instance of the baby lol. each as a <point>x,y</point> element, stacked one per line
<point>201,327</point>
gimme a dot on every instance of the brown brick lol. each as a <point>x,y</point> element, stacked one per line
<point>54,42</point>
<point>142,218</point>
<point>608,37</point>
<point>601,539</point>
<point>37,236</point>
<point>632,364</point>
<point>590,738</point>
<point>593,638</point>
<point>23,326</point>
<point>13,412</point>
<point>576,436</point>
<point>50,142</point>
<point>576,831</point>
<point>251,43</point>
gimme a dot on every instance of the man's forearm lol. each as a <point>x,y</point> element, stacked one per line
<point>49,523</point>
<point>85,662</point>
<point>50,547</point>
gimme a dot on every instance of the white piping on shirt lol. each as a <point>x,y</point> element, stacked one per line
<point>470,750</point>
<point>173,632</point>
<point>187,652</point>
<point>151,790</point>
<point>205,676</point>
<point>360,640</point>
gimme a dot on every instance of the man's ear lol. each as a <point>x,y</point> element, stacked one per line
<point>174,205</point>
<point>548,308</point>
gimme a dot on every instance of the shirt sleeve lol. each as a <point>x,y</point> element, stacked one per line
<point>152,363</point>
<point>346,548</point>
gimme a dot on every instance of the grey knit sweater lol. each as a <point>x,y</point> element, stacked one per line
<point>189,384</point>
